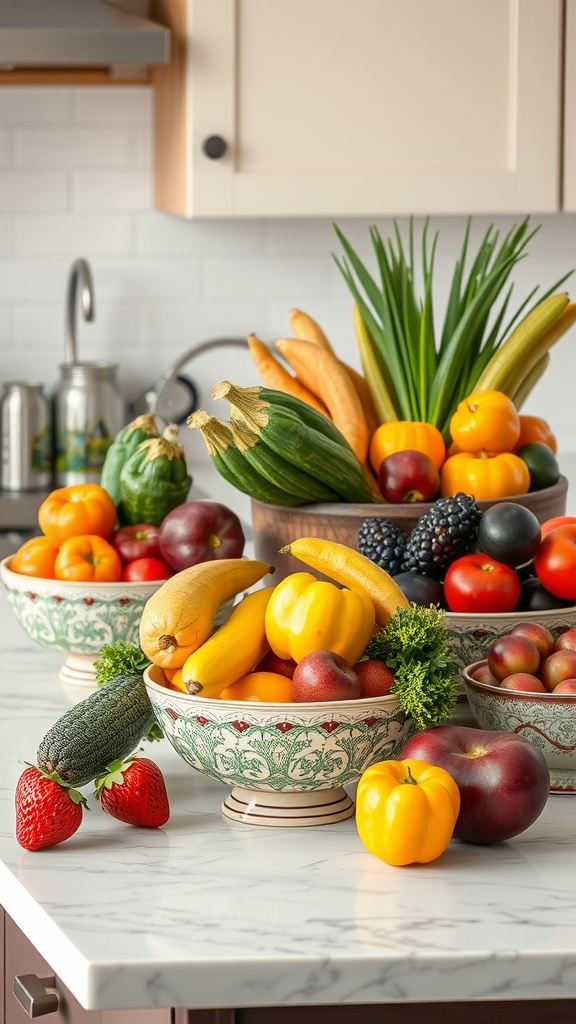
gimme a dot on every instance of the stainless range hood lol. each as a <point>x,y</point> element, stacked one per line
<point>79,33</point>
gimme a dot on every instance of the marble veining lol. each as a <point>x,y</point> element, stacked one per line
<point>208,912</point>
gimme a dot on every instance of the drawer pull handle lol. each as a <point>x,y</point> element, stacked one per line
<point>30,991</point>
<point>214,147</point>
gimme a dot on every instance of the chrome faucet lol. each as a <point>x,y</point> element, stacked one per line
<point>80,279</point>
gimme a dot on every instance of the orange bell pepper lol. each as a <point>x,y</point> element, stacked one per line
<point>260,686</point>
<point>76,511</point>
<point>403,435</point>
<point>484,475</point>
<point>35,557</point>
<point>535,429</point>
<point>485,421</point>
<point>88,558</point>
<point>406,811</point>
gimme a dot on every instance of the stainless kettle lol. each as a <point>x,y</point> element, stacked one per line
<point>88,407</point>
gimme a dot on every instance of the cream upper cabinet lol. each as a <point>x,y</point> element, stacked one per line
<point>337,107</point>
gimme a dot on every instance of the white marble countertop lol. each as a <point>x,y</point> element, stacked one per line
<point>210,913</point>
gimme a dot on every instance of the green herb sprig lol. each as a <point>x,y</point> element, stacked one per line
<point>122,658</point>
<point>414,645</point>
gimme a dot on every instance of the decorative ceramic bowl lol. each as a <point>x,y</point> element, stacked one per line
<point>77,618</point>
<point>548,720</point>
<point>470,635</point>
<point>274,526</point>
<point>287,763</point>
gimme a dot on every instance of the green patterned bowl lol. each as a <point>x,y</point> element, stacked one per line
<point>288,763</point>
<point>470,635</point>
<point>548,720</point>
<point>77,618</point>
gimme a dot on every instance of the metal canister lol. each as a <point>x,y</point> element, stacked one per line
<point>88,411</point>
<point>26,433</point>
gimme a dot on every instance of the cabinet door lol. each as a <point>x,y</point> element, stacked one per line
<point>359,107</point>
<point>22,958</point>
<point>569,199</point>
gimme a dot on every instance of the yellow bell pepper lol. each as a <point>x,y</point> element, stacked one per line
<point>305,614</point>
<point>406,811</point>
<point>485,421</point>
<point>484,475</point>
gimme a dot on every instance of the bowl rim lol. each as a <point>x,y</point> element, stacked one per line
<point>499,616</point>
<point>385,700</point>
<point>475,684</point>
<point>8,575</point>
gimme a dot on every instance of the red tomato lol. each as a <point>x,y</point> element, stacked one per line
<point>479,583</point>
<point>143,570</point>
<point>555,562</point>
<point>552,524</point>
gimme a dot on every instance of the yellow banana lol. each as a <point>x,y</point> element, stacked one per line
<point>529,381</point>
<point>375,373</point>
<point>180,615</point>
<point>306,328</point>
<point>232,651</point>
<point>353,570</point>
<point>510,356</point>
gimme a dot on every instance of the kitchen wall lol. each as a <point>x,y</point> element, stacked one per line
<point>76,180</point>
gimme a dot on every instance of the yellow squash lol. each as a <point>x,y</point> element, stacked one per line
<point>232,651</point>
<point>351,569</point>
<point>305,614</point>
<point>179,616</point>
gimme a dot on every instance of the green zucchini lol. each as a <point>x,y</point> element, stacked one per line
<point>104,727</point>
<point>232,464</point>
<point>277,470</point>
<point>125,442</point>
<point>154,480</point>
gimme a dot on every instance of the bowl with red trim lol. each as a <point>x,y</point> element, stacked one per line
<point>288,763</point>
<point>547,720</point>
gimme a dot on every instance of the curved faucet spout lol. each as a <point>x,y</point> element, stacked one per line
<point>80,281</point>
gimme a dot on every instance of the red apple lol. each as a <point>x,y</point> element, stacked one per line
<point>274,663</point>
<point>566,686</point>
<point>566,641</point>
<point>503,779</point>
<point>323,675</point>
<point>408,476</point>
<point>375,678</point>
<point>523,681</point>
<point>513,653</point>
<point>538,634</point>
<point>199,531</point>
<point>140,541</point>
<point>560,665</point>
<point>482,674</point>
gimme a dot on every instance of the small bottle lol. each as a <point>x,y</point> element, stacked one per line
<point>26,432</point>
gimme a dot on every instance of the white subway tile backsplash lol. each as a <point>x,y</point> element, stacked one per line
<point>33,190</point>
<point>35,104</point>
<point>72,146</point>
<point>31,282</point>
<point>112,104</point>
<point>159,232</point>
<point>5,147</point>
<point>73,234</point>
<point>265,276</point>
<point>141,146</point>
<point>113,190</point>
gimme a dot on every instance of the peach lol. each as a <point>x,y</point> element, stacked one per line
<point>524,682</point>
<point>566,641</point>
<point>513,653</point>
<point>538,634</point>
<point>558,666</point>
<point>483,675</point>
<point>566,686</point>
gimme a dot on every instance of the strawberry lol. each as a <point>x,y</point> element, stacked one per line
<point>47,810</point>
<point>134,791</point>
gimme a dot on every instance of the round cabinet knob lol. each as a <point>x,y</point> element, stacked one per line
<point>214,147</point>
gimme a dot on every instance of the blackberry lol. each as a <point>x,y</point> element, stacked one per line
<point>444,533</point>
<point>382,541</point>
